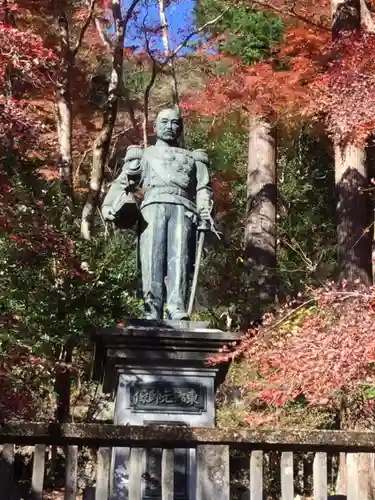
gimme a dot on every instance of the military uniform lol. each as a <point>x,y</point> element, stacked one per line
<point>176,186</point>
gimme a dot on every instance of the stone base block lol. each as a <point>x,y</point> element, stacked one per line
<point>150,344</point>
<point>158,373</point>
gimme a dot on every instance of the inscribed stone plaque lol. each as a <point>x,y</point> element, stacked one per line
<point>161,397</point>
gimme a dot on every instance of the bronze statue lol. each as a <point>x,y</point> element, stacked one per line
<point>177,203</point>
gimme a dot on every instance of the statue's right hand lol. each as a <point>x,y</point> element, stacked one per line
<point>130,185</point>
<point>126,182</point>
<point>122,180</point>
<point>110,215</point>
<point>122,183</point>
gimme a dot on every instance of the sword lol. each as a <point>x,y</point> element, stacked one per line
<point>205,226</point>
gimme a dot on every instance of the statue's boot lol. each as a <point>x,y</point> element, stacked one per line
<point>179,316</point>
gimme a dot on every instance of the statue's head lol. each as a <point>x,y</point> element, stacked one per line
<point>168,125</point>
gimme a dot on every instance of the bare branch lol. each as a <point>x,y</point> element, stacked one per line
<point>196,32</point>
<point>301,254</point>
<point>112,156</point>
<point>148,88</point>
<point>120,134</point>
<point>104,37</point>
<point>291,12</point>
<point>290,314</point>
<point>167,53</point>
<point>84,27</point>
<point>130,12</point>
<point>124,91</point>
<point>109,44</point>
<point>103,139</point>
<point>123,88</point>
<point>80,164</point>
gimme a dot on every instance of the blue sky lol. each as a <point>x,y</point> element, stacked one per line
<point>180,16</point>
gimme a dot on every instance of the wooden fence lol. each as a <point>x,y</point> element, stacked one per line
<point>212,457</point>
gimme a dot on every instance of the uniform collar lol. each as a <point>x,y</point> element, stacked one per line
<point>175,149</point>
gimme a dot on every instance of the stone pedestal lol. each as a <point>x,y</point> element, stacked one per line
<point>157,373</point>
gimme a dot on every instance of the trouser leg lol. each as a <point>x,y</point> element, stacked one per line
<point>153,251</point>
<point>179,234</point>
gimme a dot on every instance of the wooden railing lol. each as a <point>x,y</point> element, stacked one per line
<point>212,456</point>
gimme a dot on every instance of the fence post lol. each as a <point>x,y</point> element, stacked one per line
<point>37,480</point>
<point>212,472</point>
<point>7,471</point>
<point>352,476</point>
<point>256,475</point>
<point>71,473</point>
<point>320,476</point>
<point>102,473</point>
<point>167,474</point>
<point>136,467</point>
<point>287,475</point>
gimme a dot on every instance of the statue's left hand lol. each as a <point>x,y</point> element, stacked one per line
<point>206,221</point>
<point>205,214</point>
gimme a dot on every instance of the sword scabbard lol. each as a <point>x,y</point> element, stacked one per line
<point>198,258</point>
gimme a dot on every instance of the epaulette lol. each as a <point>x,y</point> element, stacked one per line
<point>201,155</point>
<point>134,153</point>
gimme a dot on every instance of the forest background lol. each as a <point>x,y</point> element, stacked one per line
<point>280,94</point>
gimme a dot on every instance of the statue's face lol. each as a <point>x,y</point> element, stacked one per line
<point>168,125</point>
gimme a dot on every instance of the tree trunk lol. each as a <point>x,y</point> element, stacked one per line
<point>100,154</point>
<point>103,140</point>
<point>353,207</point>
<point>354,234</point>
<point>353,229</point>
<point>370,163</point>
<point>64,107</point>
<point>63,388</point>
<point>64,96</point>
<point>346,16</point>
<point>64,132</point>
<point>260,229</point>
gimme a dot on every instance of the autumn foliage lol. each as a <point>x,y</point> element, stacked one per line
<point>312,351</point>
<point>266,86</point>
<point>23,57</point>
<point>25,66</point>
<point>317,351</point>
<point>307,76</point>
<point>345,90</point>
